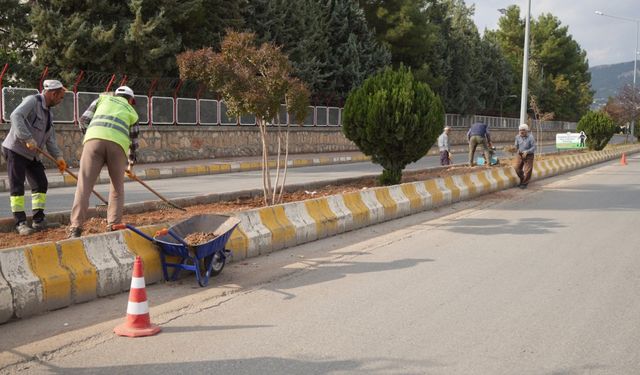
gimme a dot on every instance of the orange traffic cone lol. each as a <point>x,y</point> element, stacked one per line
<point>623,159</point>
<point>138,322</point>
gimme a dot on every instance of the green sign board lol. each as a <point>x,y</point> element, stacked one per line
<point>570,141</point>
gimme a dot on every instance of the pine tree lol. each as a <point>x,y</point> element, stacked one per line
<point>16,41</point>
<point>414,32</point>
<point>558,74</point>
<point>134,37</point>
<point>355,52</point>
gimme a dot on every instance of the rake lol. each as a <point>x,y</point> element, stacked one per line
<point>170,204</point>
<point>100,207</point>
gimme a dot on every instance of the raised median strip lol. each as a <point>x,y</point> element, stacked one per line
<point>48,276</point>
<point>209,168</point>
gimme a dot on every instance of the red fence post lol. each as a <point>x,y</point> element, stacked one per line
<point>4,71</point>
<point>152,88</point>
<point>42,77</point>
<point>113,78</point>
<point>75,97</point>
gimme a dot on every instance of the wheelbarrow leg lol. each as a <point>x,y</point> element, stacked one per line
<point>163,261</point>
<point>177,268</point>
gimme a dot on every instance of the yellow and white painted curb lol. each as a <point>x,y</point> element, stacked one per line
<point>48,276</point>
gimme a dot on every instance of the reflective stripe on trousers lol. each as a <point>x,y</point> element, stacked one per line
<point>38,201</point>
<point>17,203</point>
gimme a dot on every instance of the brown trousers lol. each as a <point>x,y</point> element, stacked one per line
<point>474,141</point>
<point>524,168</point>
<point>95,154</point>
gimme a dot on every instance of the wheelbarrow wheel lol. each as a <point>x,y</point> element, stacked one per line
<point>217,264</point>
<point>203,276</point>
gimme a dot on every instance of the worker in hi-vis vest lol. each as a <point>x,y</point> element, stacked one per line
<point>32,128</point>
<point>111,132</point>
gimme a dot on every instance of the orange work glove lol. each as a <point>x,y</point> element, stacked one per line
<point>129,171</point>
<point>62,165</point>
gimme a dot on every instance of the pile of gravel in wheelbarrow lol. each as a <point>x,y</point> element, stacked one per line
<point>199,238</point>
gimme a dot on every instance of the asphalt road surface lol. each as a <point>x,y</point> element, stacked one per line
<point>538,281</point>
<point>61,199</point>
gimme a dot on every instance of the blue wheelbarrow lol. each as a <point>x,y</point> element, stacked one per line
<point>205,259</point>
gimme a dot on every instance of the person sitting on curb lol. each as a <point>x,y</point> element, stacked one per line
<point>32,128</point>
<point>444,146</point>
<point>525,148</point>
<point>478,134</point>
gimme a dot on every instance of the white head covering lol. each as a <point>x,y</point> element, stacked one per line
<point>52,84</point>
<point>524,127</point>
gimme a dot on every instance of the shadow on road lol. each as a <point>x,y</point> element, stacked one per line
<point>488,227</point>
<point>338,270</point>
<point>257,365</point>
<point>183,329</point>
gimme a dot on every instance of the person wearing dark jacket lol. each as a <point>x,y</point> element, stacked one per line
<point>31,128</point>
<point>479,134</point>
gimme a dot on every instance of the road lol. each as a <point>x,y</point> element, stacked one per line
<point>537,281</point>
<point>61,199</point>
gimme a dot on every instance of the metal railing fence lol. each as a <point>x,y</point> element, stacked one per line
<point>169,111</point>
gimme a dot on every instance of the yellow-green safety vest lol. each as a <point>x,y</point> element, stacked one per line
<point>112,121</point>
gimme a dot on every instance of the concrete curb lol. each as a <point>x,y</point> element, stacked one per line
<point>48,276</point>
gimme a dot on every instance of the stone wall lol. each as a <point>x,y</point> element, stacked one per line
<point>163,144</point>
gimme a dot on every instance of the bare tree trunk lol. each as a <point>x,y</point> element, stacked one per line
<point>286,164</point>
<point>275,184</point>
<point>266,179</point>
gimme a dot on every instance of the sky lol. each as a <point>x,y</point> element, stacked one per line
<point>606,40</point>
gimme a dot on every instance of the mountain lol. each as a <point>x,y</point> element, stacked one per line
<point>606,80</point>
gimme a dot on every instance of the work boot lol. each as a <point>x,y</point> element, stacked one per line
<point>43,225</point>
<point>24,229</point>
<point>74,232</point>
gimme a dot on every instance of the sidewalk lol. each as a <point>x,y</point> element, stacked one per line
<point>172,169</point>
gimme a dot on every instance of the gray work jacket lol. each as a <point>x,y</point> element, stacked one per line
<point>32,119</point>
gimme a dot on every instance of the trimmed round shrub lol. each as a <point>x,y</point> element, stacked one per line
<point>599,128</point>
<point>393,118</point>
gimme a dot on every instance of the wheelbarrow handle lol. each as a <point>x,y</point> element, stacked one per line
<point>134,229</point>
<point>162,232</point>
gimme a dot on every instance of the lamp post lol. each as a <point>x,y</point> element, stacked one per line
<point>635,59</point>
<point>525,68</point>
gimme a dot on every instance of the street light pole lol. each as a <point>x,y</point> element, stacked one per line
<point>635,61</point>
<point>525,68</point>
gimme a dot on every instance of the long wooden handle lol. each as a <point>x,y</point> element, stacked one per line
<point>46,154</point>
<point>136,178</point>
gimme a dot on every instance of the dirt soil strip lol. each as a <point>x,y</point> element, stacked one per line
<point>169,216</point>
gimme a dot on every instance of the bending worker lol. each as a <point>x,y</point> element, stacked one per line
<point>478,134</point>
<point>31,127</point>
<point>111,134</point>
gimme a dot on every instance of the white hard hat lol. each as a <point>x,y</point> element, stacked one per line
<point>523,127</point>
<point>125,90</point>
